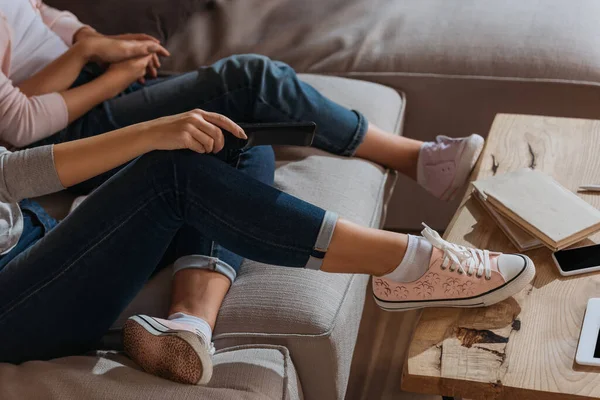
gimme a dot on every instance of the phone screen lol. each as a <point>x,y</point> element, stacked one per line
<point>580,258</point>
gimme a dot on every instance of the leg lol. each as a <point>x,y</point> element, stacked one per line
<point>196,290</point>
<point>396,152</point>
<point>106,250</point>
<point>203,274</point>
<point>250,88</point>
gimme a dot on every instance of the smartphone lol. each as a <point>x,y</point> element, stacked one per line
<point>273,134</point>
<point>578,261</point>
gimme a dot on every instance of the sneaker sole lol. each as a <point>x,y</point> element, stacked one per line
<point>511,288</point>
<point>472,151</point>
<point>175,355</point>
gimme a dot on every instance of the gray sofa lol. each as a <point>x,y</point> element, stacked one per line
<point>282,333</point>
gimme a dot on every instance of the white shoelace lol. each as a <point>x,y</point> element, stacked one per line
<point>458,257</point>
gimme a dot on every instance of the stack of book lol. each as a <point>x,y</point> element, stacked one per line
<point>534,210</point>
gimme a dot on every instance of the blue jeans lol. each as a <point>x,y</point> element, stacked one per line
<point>246,88</point>
<point>36,223</point>
<point>61,294</point>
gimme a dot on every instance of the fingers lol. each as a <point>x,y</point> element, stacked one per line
<point>158,49</point>
<point>143,64</point>
<point>153,67</point>
<point>212,137</point>
<point>202,132</point>
<point>140,48</point>
<point>136,36</point>
<point>192,143</point>
<point>201,137</point>
<point>215,133</point>
<point>224,123</point>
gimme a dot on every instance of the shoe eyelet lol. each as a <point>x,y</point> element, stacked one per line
<point>488,279</point>
<point>460,271</point>
<point>478,276</point>
<point>469,274</point>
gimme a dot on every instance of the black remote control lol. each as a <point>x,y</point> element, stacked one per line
<point>273,134</point>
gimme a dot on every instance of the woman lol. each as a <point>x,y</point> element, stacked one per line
<point>64,284</point>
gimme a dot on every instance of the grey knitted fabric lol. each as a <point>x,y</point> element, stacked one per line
<point>23,174</point>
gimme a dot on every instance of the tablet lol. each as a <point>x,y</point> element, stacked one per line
<point>588,350</point>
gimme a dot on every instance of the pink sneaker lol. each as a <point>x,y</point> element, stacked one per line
<point>168,349</point>
<point>458,276</point>
<point>445,165</point>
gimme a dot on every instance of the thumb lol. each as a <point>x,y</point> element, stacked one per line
<point>142,48</point>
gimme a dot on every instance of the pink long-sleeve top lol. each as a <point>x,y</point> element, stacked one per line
<point>32,35</point>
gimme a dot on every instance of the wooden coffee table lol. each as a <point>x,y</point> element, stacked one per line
<point>524,347</point>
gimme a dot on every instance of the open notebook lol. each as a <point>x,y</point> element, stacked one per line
<point>538,205</point>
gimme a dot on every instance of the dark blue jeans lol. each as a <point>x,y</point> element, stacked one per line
<point>246,88</point>
<point>60,295</point>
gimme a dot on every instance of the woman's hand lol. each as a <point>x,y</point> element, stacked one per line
<point>197,130</point>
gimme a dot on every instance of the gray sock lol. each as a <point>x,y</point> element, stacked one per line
<point>415,262</point>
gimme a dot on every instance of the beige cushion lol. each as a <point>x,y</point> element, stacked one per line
<point>250,372</point>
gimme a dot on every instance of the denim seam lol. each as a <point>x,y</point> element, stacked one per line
<point>243,233</point>
<point>197,261</point>
<point>357,137</point>
<point>104,235</point>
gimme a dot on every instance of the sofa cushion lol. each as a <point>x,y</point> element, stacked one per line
<point>245,372</point>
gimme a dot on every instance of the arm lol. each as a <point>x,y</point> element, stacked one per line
<point>60,74</point>
<point>23,117</point>
<point>47,169</point>
<point>83,98</point>
<point>63,23</point>
<point>26,120</point>
<point>57,76</point>
<point>196,130</point>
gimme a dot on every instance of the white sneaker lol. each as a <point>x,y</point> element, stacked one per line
<point>169,349</point>
<point>445,165</point>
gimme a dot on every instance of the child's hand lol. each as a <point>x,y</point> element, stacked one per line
<point>126,72</point>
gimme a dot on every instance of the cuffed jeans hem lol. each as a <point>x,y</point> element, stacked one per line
<point>205,262</point>
<point>359,135</point>
<point>315,260</point>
